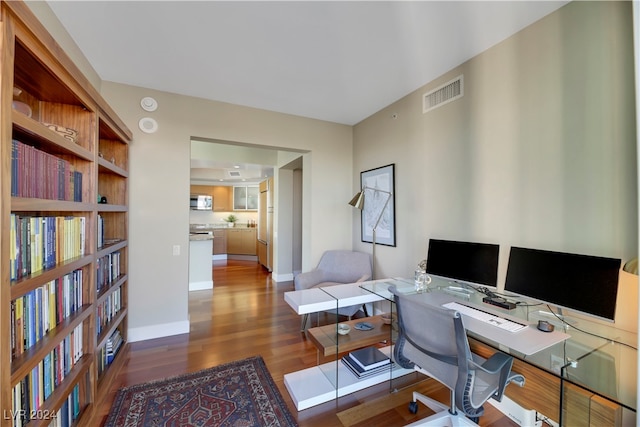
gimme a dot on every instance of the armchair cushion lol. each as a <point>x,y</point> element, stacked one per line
<point>336,267</point>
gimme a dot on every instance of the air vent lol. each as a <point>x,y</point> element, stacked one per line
<point>234,173</point>
<point>444,94</point>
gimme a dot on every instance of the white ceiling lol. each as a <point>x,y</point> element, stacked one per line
<point>329,60</point>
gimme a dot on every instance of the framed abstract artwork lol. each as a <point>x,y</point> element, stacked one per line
<point>379,205</point>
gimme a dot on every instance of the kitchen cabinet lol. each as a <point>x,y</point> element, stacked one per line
<point>245,198</point>
<point>241,241</point>
<point>221,196</point>
<point>265,224</point>
<point>219,241</point>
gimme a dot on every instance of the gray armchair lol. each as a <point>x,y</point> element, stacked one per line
<point>336,267</point>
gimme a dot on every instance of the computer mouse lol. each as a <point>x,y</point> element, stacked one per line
<point>545,326</point>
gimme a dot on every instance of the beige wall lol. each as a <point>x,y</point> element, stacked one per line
<point>540,152</point>
<point>159,190</point>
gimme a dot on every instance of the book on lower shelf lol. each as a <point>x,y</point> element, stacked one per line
<point>359,372</point>
<point>369,358</point>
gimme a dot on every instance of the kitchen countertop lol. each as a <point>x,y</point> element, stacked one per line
<point>199,232</point>
<point>211,227</point>
<point>200,237</point>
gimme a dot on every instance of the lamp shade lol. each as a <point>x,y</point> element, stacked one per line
<point>631,266</point>
<point>358,200</point>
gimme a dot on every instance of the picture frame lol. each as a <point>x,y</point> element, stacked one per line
<point>378,184</point>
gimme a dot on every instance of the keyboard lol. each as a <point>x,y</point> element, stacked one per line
<point>486,317</point>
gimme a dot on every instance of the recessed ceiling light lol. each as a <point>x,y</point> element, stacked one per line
<point>148,104</point>
<point>148,125</point>
<point>236,166</point>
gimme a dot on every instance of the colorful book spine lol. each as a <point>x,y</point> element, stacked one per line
<point>108,310</point>
<point>37,174</point>
<point>39,243</point>
<point>108,269</point>
<point>39,311</point>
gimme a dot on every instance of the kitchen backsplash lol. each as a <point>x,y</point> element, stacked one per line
<point>206,217</point>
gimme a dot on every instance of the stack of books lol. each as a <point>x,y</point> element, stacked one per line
<point>366,362</point>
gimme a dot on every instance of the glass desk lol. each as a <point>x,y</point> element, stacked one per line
<point>586,378</point>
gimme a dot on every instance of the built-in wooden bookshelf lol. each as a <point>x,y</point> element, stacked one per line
<point>63,232</point>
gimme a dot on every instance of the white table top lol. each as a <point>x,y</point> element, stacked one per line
<point>329,298</point>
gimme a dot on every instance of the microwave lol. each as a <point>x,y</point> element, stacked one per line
<point>199,202</point>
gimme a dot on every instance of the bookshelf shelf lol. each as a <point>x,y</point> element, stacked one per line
<point>111,327</point>
<point>31,357</point>
<point>108,167</point>
<point>29,283</point>
<point>113,208</point>
<point>47,139</point>
<point>24,204</point>
<point>110,288</point>
<point>58,396</point>
<point>63,147</point>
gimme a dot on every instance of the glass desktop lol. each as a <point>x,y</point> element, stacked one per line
<point>597,357</point>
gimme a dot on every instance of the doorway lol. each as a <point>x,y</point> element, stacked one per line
<point>232,164</point>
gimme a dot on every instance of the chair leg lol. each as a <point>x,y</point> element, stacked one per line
<point>442,416</point>
<point>305,319</point>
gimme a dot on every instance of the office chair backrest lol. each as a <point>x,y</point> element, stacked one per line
<point>434,339</point>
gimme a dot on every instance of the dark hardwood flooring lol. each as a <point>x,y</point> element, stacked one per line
<point>246,315</point>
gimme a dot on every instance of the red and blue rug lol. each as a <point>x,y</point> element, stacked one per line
<point>238,394</point>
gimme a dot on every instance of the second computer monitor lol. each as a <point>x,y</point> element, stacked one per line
<point>472,262</point>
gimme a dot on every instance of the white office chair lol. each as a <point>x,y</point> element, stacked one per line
<point>433,341</point>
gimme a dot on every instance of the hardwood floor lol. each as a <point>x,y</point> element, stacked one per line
<point>246,315</point>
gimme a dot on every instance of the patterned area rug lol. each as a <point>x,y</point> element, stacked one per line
<point>238,394</point>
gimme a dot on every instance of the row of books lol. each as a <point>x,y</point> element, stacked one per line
<point>69,411</point>
<point>64,417</point>
<point>37,312</point>
<point>366,362</point>
<point>107,310</point>
<point>108,352</point>
<point>108,269</point>
<point>37,174</point>
<point>30,393</point>
<point>37,243</point>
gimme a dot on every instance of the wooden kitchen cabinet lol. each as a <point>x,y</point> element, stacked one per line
<point>222,196</point>
<point>241,241</point>
<point>219,241</point>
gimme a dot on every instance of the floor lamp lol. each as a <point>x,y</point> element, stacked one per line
<point>358,202</point>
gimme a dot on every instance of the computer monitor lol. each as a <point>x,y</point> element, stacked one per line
<point>584,283</point>
<point>476,263</point>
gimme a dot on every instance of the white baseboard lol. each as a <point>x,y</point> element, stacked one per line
<point>201,286</point>
<point>282,277</point>
<point>157,331</point>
